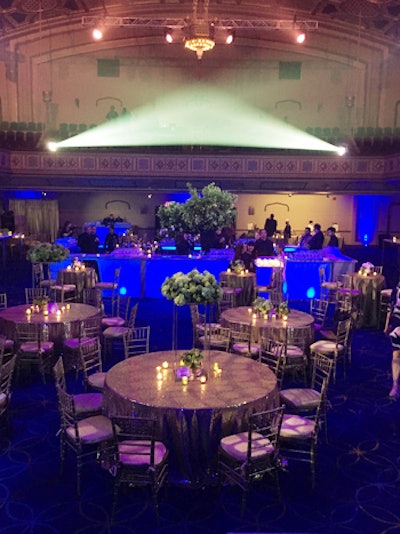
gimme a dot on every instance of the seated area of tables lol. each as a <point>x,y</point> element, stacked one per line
<point>198,425</point>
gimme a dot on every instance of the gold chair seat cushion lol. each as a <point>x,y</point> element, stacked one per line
<point>300,398</point>
<point>113,321</point>
<point>137,452</point>
<point>386,293</point>
<point>326,347</point>
<point>32,346</point>
<point>8,345</point>
<point>214,341</point>
<point>105,285</point>
<point>115,331</point>
<point>297,427</point>
<point>348,291</point>
<point>236,446</point>
<point>292,351</point>
<point>241,347</point>
<point>65,287</point>
<point>329,285</point>
<point>92,429</point>
<point>96,380</point>
<point>88,403</point>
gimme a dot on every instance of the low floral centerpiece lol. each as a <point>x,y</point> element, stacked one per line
<point>237,266</point>
<point>40,303</point>
<point>192,288</point>
<point>283,309</point>
<point>47,253</point>
<point>366,269</point>
<point>262,306</point>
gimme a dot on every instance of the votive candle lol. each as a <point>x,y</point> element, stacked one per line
<point>185,380</point>
<point>159,376</point>
<point>203,379</point>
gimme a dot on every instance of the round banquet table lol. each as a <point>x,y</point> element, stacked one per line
<point>59,327</point>
<point>245,281</point>
<point>81,279</point>
<point>370,287</point>
<point>269,327</point>
<point>193,418</point>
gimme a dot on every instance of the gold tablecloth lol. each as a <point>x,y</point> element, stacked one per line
<point>81,279</point>
<point>246,282</point>
<point>59,327</point>
<point>268,327</point>
<point>193,418</point>
<point>371,287</point>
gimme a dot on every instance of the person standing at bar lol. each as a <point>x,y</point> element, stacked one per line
<point>270,225</point>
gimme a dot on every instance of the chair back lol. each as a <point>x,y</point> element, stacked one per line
<point>132,430</point>
<point>272,354</point>
<point>3,301</point>
<point>216,336</point>
<point>93,297</point>
<point>321,371</point>
<point>264,427</point>
<point>33,293</point>
<point>322,275</point>
<point>228,300</point>
<point>90,356</point>
<point>29,333</point>
<point>319,309</point>
<point>343,332</point>
<point>298,337</point>
<point>122,306</point>
<point>6,376</point>
<point>91,327</point>
<point>37,274</point>
<point>59,374</point>
<point>132,316</point>
<point>137,341</point>
<point>68,417</point>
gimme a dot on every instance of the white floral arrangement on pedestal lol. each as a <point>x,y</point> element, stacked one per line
<point>366,269</point>
<point>192,288</point>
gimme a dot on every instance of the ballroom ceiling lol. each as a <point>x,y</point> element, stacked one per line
<point>380,18</point>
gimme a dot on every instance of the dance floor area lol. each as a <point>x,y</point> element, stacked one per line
<point>358,470</point>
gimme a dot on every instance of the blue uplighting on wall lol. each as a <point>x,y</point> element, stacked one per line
<point>27,195</point>
<point>310,293</point>
<point>366,218</point>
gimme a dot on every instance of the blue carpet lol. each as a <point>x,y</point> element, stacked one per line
<point>358,471</point>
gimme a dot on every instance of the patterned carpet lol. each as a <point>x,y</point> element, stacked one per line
<point>358,474</point>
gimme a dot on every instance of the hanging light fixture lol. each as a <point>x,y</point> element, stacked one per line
<point>200,32</point>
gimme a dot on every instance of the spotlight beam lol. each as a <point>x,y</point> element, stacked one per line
<point>196,116</point>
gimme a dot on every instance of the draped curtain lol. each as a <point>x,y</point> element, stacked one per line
<point>37,218</point>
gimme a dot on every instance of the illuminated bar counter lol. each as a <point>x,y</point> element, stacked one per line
<point>142,276</point>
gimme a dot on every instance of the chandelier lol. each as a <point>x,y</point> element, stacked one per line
<point>200,32</point>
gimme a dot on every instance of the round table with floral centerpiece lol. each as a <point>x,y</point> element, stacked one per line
<point>267,324</point>
<point>193,415</point>
<point>56,322</point>
<point>241,279</point>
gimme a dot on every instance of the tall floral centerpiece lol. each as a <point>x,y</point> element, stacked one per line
<point>47,253</point>
<point>203,212</point>
<point>191,288</point>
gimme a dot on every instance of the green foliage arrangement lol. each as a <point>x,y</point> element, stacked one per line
<point>210,209</point>
<point>237,266</point>
<point>191,288</point>
<point>192,358</point>
<point>262,305</point>
<point>47,253</point>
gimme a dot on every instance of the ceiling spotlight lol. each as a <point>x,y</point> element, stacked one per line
<point>230,38</point>
<point>341,150</point>
<point>300,38</point>
<point>97,33</point>
<point>168,36</point>
<point>52,146</point>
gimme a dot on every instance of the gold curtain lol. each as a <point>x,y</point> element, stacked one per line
<point>37,218</point>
